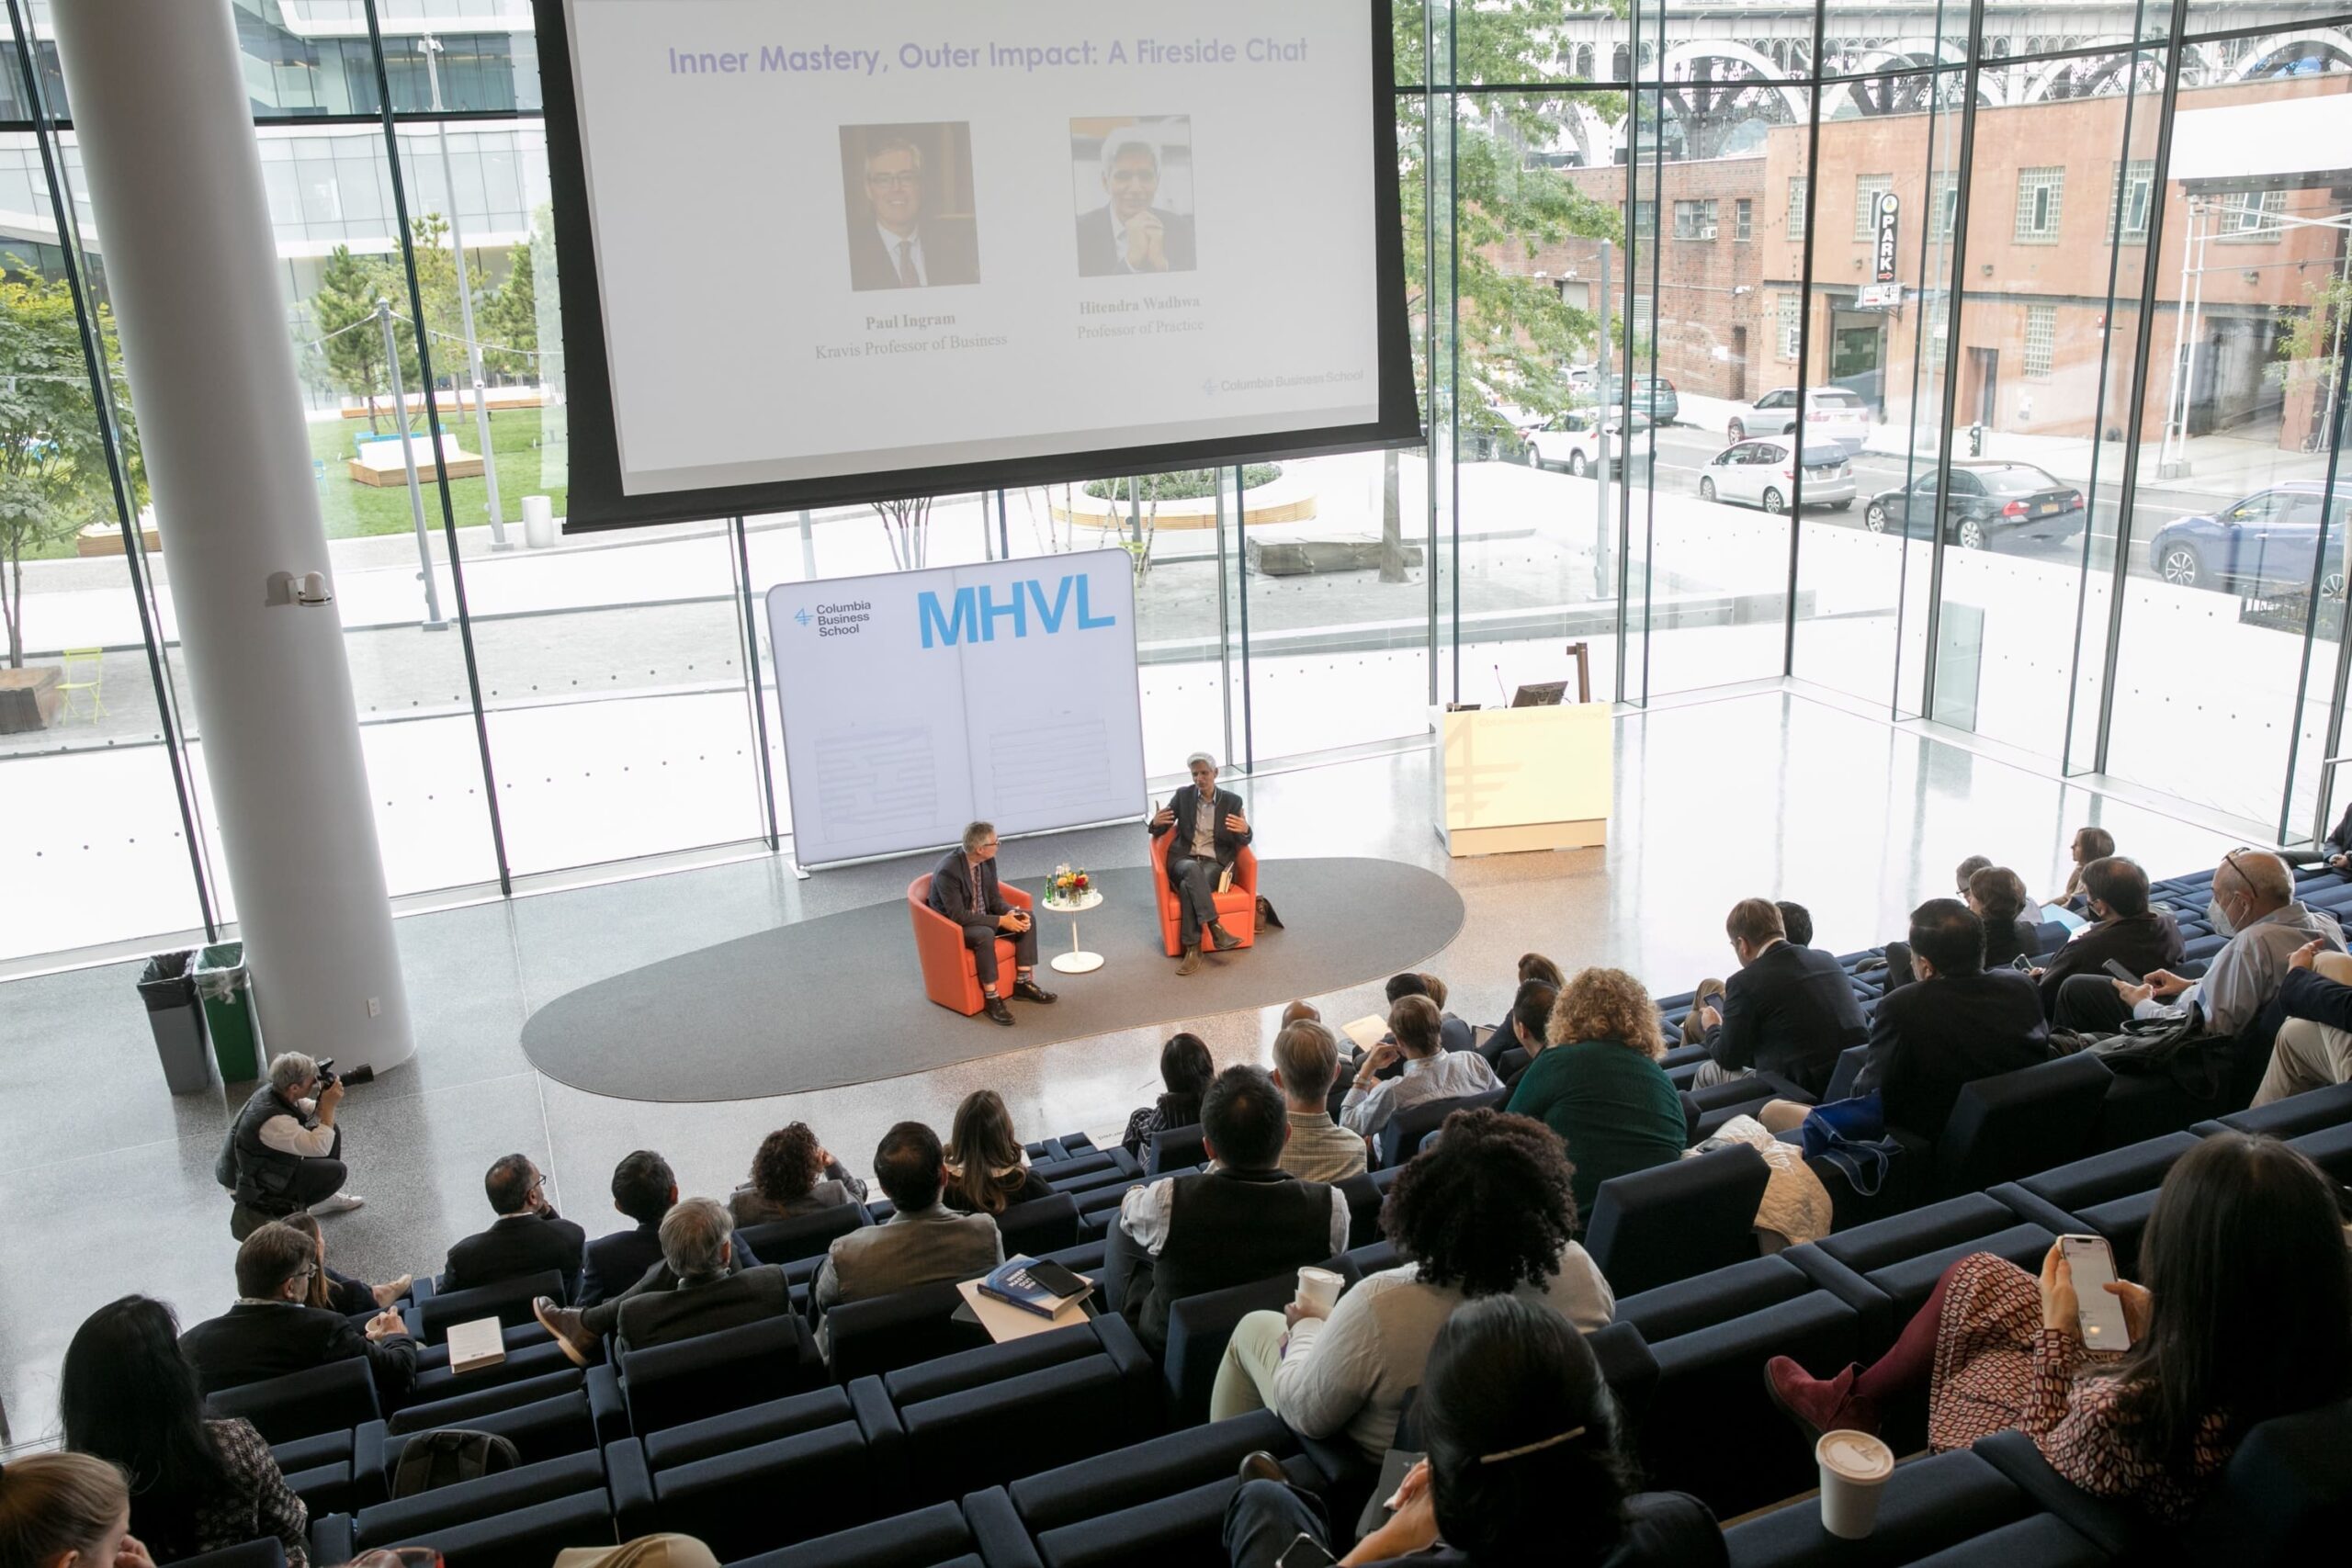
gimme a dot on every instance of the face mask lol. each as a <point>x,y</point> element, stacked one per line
<point>2220,919</point>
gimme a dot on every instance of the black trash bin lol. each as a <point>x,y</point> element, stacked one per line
<point>168,987</point>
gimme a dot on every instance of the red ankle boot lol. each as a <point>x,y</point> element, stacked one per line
<point>1819,1405</point>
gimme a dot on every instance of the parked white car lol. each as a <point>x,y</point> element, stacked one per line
<point>1572,440</point>
<point>1763,473</point>
<point>1832,415</point>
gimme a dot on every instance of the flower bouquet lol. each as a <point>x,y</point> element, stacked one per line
<point>1069,884</point>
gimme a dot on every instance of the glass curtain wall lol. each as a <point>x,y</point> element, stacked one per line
<point>1981,364</point>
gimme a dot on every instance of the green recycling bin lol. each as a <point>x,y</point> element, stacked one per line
<point>225,987</point>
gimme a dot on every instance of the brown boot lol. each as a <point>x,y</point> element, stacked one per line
<point>570,1337</point>
<point>1192,965</point>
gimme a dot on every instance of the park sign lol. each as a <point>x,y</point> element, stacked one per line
<point>1883,251</point>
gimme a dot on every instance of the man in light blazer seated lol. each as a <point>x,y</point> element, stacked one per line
<point>697,1288</point>
<point>1210,828</point>
<point>963,888</point>
<point>923,1244</point>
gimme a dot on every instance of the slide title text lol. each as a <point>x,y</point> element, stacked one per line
<point>773,60</point>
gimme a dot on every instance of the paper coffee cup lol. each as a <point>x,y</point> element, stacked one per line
<point>1318,1290</point>
<point>1854,1468</point>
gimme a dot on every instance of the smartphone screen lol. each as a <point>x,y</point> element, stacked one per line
<point>1306,1552</point>
<point>1051,1276</point>
<point>2092,1266</point>
<point>2021,964</point>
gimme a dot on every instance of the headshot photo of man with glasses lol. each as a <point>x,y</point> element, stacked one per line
<point>909,190</point>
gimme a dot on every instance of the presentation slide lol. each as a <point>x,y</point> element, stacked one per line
<point>916,702</point>
<point>910,235</point>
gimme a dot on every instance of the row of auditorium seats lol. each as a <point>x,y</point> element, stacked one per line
<point>1068,1447</point>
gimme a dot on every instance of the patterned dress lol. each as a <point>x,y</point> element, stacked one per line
<point>255,1504</point>
<point>1997,1368</point>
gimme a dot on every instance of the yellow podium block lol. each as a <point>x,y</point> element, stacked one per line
<point>1515,778</point>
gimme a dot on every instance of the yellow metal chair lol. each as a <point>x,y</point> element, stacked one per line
<point>84,682</point>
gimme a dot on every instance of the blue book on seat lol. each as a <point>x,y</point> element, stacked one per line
<point>1012,1284</point>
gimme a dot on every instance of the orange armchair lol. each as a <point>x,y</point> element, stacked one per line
<point>1237,907</point>
<point>949,975</point>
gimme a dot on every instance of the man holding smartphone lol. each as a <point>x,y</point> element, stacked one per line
<point>963,888</point>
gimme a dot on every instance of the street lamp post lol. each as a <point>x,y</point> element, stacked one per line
<point>434,620</point>
<point>498,539</point>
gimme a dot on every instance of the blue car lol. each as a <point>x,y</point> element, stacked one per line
<point>2268,543</point>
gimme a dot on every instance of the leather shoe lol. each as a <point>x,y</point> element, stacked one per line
<point>1818,1404</point>
<point>1260,1465</point>
<point>563,1322</point>
<point>1030,991</point>
<point>1225,940</point>
<point>1192,965</point>
<point>998,1012</point>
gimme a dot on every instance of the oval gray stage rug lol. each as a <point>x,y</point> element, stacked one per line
<point>839,999</point>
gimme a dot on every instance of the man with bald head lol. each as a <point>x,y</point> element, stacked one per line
<point>2253,905</point>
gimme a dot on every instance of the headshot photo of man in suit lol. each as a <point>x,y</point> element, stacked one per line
<point>909,198</point>
<point>1135,228</point>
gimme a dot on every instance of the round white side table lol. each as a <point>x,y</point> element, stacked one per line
<point>1077,961</point>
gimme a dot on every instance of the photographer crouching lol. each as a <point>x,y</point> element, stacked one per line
<point>284,1154</point>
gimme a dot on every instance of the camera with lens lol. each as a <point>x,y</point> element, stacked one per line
<point>353,1076</point>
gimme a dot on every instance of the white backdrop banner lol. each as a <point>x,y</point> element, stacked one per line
<point>916,702</point>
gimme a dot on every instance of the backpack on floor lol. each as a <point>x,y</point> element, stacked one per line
<point>432,1459</point>
<point>1267,919</point>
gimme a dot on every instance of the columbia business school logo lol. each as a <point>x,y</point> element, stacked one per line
<point>982,612</point>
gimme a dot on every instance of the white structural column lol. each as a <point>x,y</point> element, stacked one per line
<point>159,104</point>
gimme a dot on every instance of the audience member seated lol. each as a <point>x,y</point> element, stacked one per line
<point>127,1396</point>
<point>1796,922</point>
<point>986,1172</point>
<point>1185,1070</point>
<point>341,1292</point>
<point>1599,1084</point>
<point>66,1511</point>
<point>792,1175</point>
<point>1306,1063</point>
<point>1454,1032</point>
<point>2253,905</point>
<point>270,1332</point>
<point>2334,852</point>
<point>2089,844</point>
<point>1958,1022</point>
<point>1528,1027</point>
<point>1968,869</point>
<point>1242,1219</point>
<point>644,1188</point>
<point>1532,967</point>
<point>2122,928</point>
<point>923,1243</point>
<point>1529,1463</point>
<point>1489,1212</point>
<point>2314,1048</point>
<point>527,1237</point>
<point>1789,1009</point>
<point>1998,897</point>
<point>2245,1313</point>
<point>699,1289</point>
<point>1431,1071</point>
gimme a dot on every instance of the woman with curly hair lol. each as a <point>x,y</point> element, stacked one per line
<point>1598,1085</point>
<point>1488,1211</point>
<point>986,1172</point>
<point>793,1175</point>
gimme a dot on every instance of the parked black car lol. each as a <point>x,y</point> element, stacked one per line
<point>1989,501</point>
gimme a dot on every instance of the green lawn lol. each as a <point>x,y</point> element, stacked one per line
<point>353,509</point>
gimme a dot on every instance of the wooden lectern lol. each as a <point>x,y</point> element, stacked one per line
<point>1532,778</point>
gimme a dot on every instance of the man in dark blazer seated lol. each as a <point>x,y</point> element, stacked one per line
<point>1788,1010</point>
<point>963,888</point>
<point>1209,829</point>
<point>2123,928</point>
<point>644,1188</point>
<point>1127,234</point>
<point>527,1237</point>
<point>698,1287</point>
<point>899,243</point>
<point>270,1332</point>
<point>1954,1023</point>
